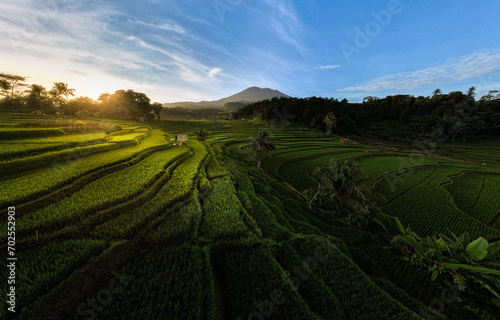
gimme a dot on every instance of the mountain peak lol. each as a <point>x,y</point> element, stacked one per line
<point>254,94</point>
<point>247,96</point>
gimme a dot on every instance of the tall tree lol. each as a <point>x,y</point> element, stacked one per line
<point>436,92</point>
<point>492,94</point>
<point>12,81</point>
<point>370,99</point>
<point>330,121</point>
<point>104,96</point>
<point>471,93</point>
<point>258,147</point>
<point>37,95</point>
<point>61,89</point>
<point>157,108</point>
<point>127,104</point>
<point>80,106</point>
<point>4,85</point>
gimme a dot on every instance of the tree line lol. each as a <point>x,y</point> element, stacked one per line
<point>18,96</point>
<point>457,115</point>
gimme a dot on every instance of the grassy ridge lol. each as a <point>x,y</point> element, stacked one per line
<point>109,190</point>
<point>177,189</point>
<point>32,185</point>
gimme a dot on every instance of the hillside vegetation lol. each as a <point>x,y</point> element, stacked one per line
<point>130,225</point>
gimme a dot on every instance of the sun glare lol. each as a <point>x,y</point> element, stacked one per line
<point>94,87</point>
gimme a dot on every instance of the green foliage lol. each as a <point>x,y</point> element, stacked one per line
<point>298,171</point>
<point>202,134</point>
<point>214,237</point>
<point>473,264</point>
<point>259,146</point>
<point>412,118</point>
<point>345,188</point>
<point>313,197</point>
<point>330,121</point>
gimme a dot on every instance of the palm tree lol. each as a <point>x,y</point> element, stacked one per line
<point>62,89</point>
<point>471,92</point>
<point>37,94</point>
<point>257,147</point>
<point>436,92</point>
<point>330,121</point>
<point>345,185</point>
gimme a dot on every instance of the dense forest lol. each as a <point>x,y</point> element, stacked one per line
<point>454,115</point>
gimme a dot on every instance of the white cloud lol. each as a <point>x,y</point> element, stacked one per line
<point>168,25</point>
<point>285,23</point>
<point>457,69</point>
<point>54,42</point>
<point>87,49</point>
<point>330,67</point>
<point>214,71</point>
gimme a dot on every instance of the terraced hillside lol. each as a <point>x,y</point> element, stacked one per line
<point>132,227</point>
<point>427,191</point>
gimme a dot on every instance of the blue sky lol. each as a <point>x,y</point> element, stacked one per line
<point>194,50</point>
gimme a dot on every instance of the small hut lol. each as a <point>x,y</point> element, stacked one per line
<point>345,141</point>
<point>179,139</point>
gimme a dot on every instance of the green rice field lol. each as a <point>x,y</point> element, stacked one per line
<point>128,225</point>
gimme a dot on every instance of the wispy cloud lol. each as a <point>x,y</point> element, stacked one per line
<point>330,67</point>
<point>168,26</point>
<point>214,71</point>
<point>285,24</point>
<point>91,51</point>
<point>457,69</point>
<point>181,63</point>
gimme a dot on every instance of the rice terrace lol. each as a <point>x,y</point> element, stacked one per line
<point>356,177</point>
<point>114,219</point>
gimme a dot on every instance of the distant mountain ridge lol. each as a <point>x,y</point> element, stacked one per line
<point>245,97</point>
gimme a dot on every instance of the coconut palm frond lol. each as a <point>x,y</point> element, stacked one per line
<point>347,186</point>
